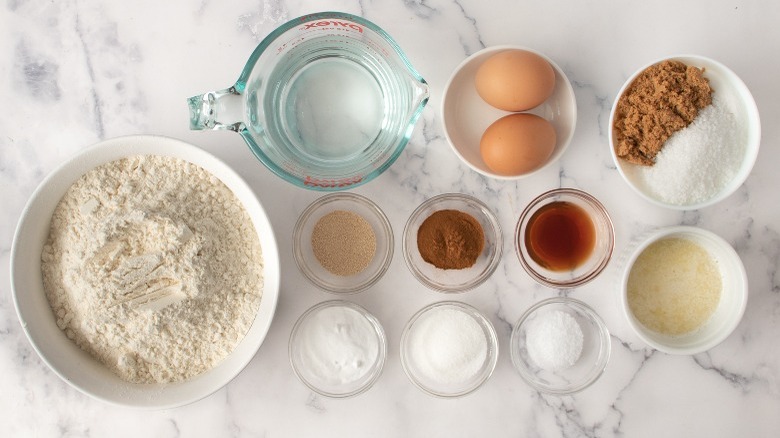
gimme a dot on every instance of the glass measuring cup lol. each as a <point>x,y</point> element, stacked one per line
<point>327,101</point>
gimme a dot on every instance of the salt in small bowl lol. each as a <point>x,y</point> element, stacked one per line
<point>596,348</point>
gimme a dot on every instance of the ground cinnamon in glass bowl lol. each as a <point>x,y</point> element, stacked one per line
<point>450,239</point>
<point>452,242</point>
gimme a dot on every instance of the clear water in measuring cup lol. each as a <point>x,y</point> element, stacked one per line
<point>333,108</point>
<point>331,99</point>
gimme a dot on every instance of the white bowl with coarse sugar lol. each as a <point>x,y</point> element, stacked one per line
<point>142,317</point>
<point>707,161</point>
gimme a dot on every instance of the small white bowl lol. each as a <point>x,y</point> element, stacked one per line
<point>466,116</point>
<point>735,94</point>
<point>733,297</point>
<point>62,355</point>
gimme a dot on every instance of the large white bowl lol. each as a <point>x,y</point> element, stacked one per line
<point>62,355</point>
<point>739,100</point>
<point>466,115</point>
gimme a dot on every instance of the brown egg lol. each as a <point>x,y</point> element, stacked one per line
<point>517,144</point>
<point>515,80</point>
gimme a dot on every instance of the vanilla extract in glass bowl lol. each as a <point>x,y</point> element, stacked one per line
<point>564,238</point>
<point>560,236</point>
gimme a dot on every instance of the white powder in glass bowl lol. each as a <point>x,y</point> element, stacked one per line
<point>339,346</point>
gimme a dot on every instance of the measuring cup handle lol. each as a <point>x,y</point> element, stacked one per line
<point>216,110</point>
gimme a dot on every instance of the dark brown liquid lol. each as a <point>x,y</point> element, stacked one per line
<point>560,236</point>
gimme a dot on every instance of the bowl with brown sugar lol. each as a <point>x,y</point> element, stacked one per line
<point>452,242</point>
<point>343,243</point>
<point>684,132</point>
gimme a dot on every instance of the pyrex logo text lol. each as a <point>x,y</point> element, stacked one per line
<point>344,182</point>
<point>333,23</point>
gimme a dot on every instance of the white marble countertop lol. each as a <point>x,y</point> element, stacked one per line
<point>73,73</point>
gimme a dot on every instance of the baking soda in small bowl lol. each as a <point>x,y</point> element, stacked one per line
<point>337,349</point>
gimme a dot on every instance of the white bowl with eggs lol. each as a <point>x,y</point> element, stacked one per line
<point>63,356</point>
<point>665,304</point>
<point>736,97</point>
<point>467,116</point>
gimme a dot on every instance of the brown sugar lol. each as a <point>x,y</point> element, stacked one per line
<point>662,100</point>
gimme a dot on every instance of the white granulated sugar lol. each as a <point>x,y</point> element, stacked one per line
<point>699,161</point>
<point>448,346</point>
<point>153,266</point>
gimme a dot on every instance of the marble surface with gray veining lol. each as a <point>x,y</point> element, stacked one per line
<point>73,73</point>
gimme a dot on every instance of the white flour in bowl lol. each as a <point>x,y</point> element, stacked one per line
<point>153,266</point>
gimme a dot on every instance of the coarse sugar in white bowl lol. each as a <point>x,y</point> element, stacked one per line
<point>74,365</point>
<point>707,161</point>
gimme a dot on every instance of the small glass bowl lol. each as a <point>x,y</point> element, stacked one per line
<point>305,372</point>
<point>453,280</point>
<point>596,349</point>
<point>599,257</point>
<point>440,388</point>
<point>311,267</point>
